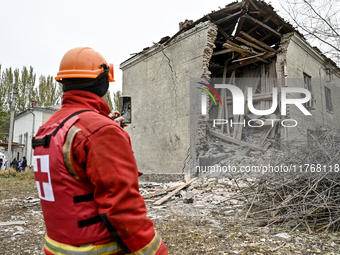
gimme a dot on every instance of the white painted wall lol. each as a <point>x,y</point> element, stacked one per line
<point>23,124</point>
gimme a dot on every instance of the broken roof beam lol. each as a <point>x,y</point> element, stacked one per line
<point>257,22</point>
<point>267,47</point>
<point>228,18</point>
<point>241,59</point>
<point>251,61</point>
<point>237,48</point>
<point>230,8</point>
<point>250,44</point>
<point>222,52</point>
<point>225,35</point>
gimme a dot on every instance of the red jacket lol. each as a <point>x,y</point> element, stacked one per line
<point>101,158</point>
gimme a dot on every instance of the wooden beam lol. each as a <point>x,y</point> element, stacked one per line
<point>250,44</point>
<point>252,29</point>
<point>225,35</point>
<point>257,22</point>
<point>246,5</point>
<point>255,56</point>
<point>251,61</point>
<point>265,37</point>
<point>165,198</point>
<point>278,30</point>
<point>255,12</point>
<point>237,49</point>
<point>266,19</point>
<point>234,141</point>
<point>222,52</point>
<point>228,18</point>
<point>267,47</point>
<point>255,5</point>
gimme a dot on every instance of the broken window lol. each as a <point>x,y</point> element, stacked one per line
<point>328,97</point>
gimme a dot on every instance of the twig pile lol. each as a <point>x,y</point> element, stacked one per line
<point>309,197</point>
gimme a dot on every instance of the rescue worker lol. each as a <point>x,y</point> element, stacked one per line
<point>86,173</point>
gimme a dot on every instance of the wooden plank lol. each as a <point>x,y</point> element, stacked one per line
<point>278,30</point>
<point>243,50</point>
<point>239,49</point>
<point>159,192</point>
<point>165,198</point>
<point>235,141</point>
<point>240,59</point>
<point>246,5</point>
<point>250,44</point>
<point>255,5</point>
<point>228,18</point>
<point>222,52</point>
<point>266,37</point>
<point>267,19</point>
<point>257,22</point>
<point>257,41</point>
<point>252,29</point>
<point>251,61</point>
<point>225,35</point>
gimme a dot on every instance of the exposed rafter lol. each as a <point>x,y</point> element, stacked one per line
<point>257,22</point>
<point>257,41</point>
<point>228,18</point>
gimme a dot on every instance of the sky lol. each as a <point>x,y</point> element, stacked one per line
<point>38,33</point>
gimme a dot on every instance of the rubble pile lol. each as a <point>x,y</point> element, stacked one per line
<point>203,195</point>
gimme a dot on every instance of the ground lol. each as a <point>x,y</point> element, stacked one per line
<point>187,226</point>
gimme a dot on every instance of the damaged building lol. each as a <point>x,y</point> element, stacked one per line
<point>246,44</point>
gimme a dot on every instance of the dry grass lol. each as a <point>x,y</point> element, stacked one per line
<point>13,182</point>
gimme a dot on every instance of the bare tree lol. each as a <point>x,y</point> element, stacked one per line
<point>319,22</point>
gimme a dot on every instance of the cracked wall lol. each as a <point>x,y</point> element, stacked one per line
<point>158,80</point>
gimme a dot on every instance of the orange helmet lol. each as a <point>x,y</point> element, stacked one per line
<point>83,62</point>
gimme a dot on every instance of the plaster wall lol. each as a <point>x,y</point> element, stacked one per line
<point>303,60</point>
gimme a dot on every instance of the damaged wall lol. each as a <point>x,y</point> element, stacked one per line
<point>246,39</point>
<point>158,81</point>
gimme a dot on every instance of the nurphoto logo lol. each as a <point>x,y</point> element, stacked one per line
<point>238,103</point>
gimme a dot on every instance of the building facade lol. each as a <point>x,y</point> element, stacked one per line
<point>246,44</point>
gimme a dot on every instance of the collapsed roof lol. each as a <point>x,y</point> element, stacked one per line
<point>249,31</point>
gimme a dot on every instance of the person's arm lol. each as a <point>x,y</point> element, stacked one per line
<point>112,169</point>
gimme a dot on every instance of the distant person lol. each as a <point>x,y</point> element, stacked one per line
<point>14,164</point>
<point>24,163</point>
<point>1,160</point>
<point>4,161</point>
<point>19,165</point>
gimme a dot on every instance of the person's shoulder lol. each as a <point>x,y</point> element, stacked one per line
<point>93,121</point>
